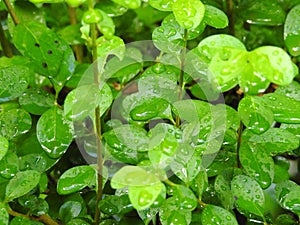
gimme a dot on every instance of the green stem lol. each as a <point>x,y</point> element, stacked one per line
<point>11,12</point>
<point>201,203</point>
<point>45,219</point>
<point>5,44</point>
<point>230,14</point>
<point>181,75</point>
<point>77,48</point>
<point>170,183</point>
<point>97,219</point>
<point>239,141</point>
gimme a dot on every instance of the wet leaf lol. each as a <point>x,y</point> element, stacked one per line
<point>13,82</point>
<point>111,8</point>
<point>285,109</point>
<point>248,195</point>
<point>283,69</point>
<point>114,205</point>
<point>54,132</point>
<point>143,197</point>
<point>75,179</point>
<point>110,46</point>
<point>9,165</point>
<point>187,163</point>
<point>133,176</point>
<point>21,184</point>
<point>215,17</point>
<point>268,13</point>
<point>255,115</point>
<point>4,216</point>
<point>292,90</point>
<point>188,13</point>
<point>185,199</point>
<point>3,147</point>
<point>257,163</point>
<point>133,4</point>
<point>292,31</point>
<point>70,210</point>
<point>36,101</point>
<point>24,221</point>
<point>169,36</point>
<point>126,141</point>
<point>163,5</point>
<point>14,123</point>
<point>106,25</point>
<point>253,78</point>
<point>213,215</point>
<point>276,140</point>
<point>171,214</point>
<point>51,55</point>
<point>82,101</point>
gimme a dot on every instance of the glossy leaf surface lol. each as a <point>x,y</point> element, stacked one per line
<point>215,17</point>
<point>213,215</point>
<point>21,184</point>
<point>3,147</point>
<point>54,132</point>
<point>76,179</point>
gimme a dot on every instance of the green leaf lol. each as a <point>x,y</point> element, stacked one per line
<point>133,176</point>
<point>110,46</point>
<point>106,25</point>
<point>9,165</point>
<point>13,82</point>
<point>143,197</point>
<point>215,17</point>
<point>292,31</point>
<point>188,13</point>
<point>24,221</point>
<point>133,4</point>
<point>252,79</point>
<point>286,219</point>
<point>54,132</point>
<point>21,184</point>
<point>285,109</point>
<point>3,147</point>
<point>170,213</point>
<point>219,215</point>
<point>37,206</point>
<point>111,8</point>
<point>126,141</point>
<point>82,101</point>
<point>281,169</point>
<point>287,195</point>
<point>151,108</point>
<point>78,222</point>
<point>186,164</point>
<point>162,5</point>
<point>4,216</point>
<point>255,115</point>
<point>51,55</point>
<point>292,90</point>
<point>75,179</point>
<point>276,140</point>
<point>36,101</point>
<point>113,205</point>
<point>14,123</point>
<point>281,63</point>
<point>268,13</point>
<point>185,198</point>
<point>70,210</point>
<point>169,36</point>
<point>248,195</point>
<point>199,184</point>
<point>292,128</point>
<point>257,163</point>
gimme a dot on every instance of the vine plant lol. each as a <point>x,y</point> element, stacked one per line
<point>201,125</point>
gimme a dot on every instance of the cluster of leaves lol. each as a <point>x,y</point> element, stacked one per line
<point>174,150</point>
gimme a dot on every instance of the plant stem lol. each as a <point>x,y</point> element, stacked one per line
<point>43,218</point>
<point>11,12</point>
<point>97,124</point>
<point>230,14</point>
<point>77,48</point>
<point>5,44</point>
<point>201,203</point>
<point>181,75</point>
<point>239,141</point>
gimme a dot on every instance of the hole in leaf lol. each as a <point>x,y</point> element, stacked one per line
<point>45,65</point>
<point>56,41</point>
<point>37,45</point>
<point>50,52</point>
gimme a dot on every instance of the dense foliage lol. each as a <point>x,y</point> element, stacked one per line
<point>169,112</point>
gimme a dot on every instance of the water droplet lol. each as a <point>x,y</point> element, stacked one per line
<point>188,24</point>
<point>144,198</point>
